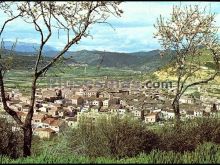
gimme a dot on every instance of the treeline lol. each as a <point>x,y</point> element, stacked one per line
<point>128,139</point>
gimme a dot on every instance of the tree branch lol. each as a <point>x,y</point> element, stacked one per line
<point>4,102</point>
<point>200,82</point>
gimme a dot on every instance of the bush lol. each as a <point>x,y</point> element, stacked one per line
<point>209,130</point>
<point>189,134</point>
<point>179,139</point>
<point>10,141</point>
<point>113,137</point>
<point>118,138</point>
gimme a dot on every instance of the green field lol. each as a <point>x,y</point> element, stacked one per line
<point>22,79</point>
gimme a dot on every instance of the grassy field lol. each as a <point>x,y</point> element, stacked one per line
<point>21,79</point>
<point>206,153</point>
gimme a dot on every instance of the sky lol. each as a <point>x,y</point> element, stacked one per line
<point>132,32</point>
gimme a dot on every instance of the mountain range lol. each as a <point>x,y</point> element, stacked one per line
<point>26,47</point>
<point>144,61</point>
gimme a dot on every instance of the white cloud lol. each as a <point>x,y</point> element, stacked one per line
<point>133,31</point>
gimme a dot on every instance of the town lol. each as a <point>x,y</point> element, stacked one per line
<point>59,107</point>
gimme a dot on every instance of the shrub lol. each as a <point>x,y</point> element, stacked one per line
<point>179,139</point>
<point>189,134</point>
<point>114,137</point>
<point>10,141</point>
<point>209,130</point>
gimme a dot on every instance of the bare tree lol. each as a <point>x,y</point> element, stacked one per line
<point>191,34</point>
<point>74,18</point>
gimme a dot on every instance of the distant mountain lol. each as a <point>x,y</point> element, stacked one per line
<point>27,47</point>
<point>27,60</point>
<point>144,61</point>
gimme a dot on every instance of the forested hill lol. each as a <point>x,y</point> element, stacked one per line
<point>24,57</point>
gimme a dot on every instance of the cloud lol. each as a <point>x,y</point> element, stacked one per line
<point>133,31</point>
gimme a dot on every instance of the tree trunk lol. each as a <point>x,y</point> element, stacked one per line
<point>176,108</point>
<point>27,140</point>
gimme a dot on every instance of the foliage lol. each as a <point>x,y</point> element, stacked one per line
<point>10,141</point>
<point>128,141</point>
<point>112,137</point>
<point>206,153</point>
<point>189,134</point>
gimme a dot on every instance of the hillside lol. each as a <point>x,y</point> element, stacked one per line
<point>26,60</point>
<point>142,61</point>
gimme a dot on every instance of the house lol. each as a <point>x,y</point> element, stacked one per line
<point>53,123</point>
<point>47,93</point>
<point>152,117</point>
<point>198,113</point>
<point>187,100</point>
<point>97,102</point>
<point>207,106</point>
<point>89,100</point>
<point>22,115</point>
<point>62,112</point>
<point>167,114</point>
<point>44,109</point>
<point>54,106</point>
<point>38,94</point>
<point>190,114</point>
<point>59,101</point>
<point>134,91</point>
<point>94,108</point>
<point>214,111</point>
<point>123,102</point>
<point>68,92</point>
<point>91,93</point>
<point>24,107</point>
<point>77,100</point>
<point>114,108</point>
<point>57,125</point>
<point>44,132</point>
<point>138,114</point>
<point>38,119</point>
<point>80,92</point>
<point>47,122</point>
<point>104,94</point>
<point>85,108</point>
<point>71,122</point>
<point>122,111</point>
<point>106,103</point>
<point>53,112</point>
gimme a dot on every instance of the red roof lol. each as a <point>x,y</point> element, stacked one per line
<point>53,122</point>
<point>49,120</point>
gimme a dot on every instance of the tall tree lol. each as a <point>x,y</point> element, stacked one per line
<point>191,34</point>
<point>74,18</point>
